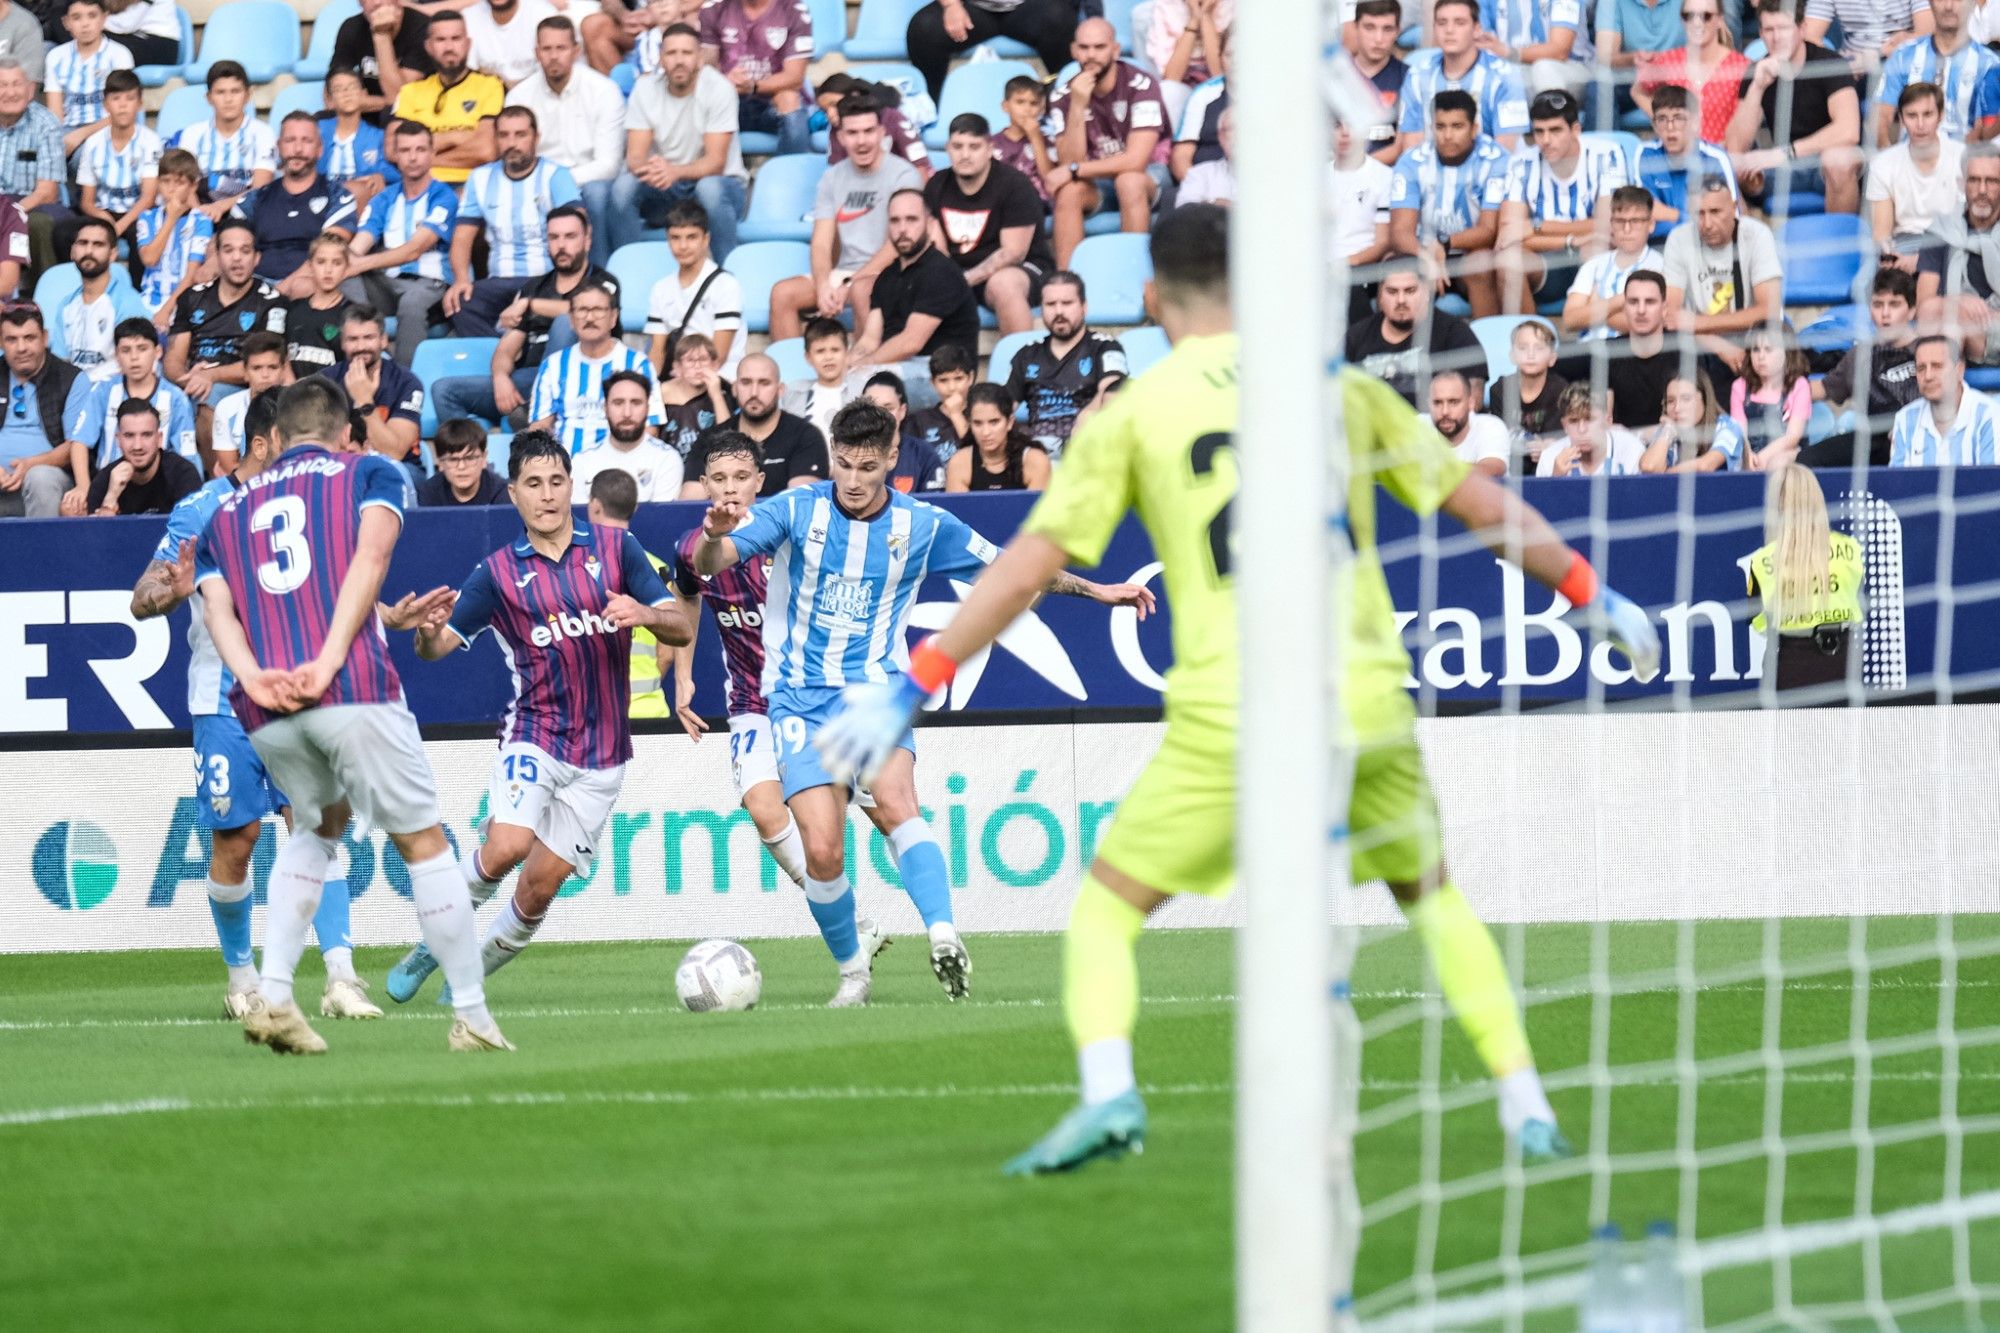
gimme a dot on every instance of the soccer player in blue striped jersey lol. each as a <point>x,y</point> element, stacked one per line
<point>568,397</point>
<point>849,556</point>
<point>233,792</point>
<point>289,569</point>
<point>117,167</point>
<point>1457,62</point>
<point>562,603</point>
<point>73,75</point>
<point>1548,220</point>
<point>238,151</point>
<point>1444,201</point>
<point>510,200</point>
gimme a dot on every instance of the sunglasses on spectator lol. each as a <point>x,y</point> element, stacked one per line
<point>20,400</point>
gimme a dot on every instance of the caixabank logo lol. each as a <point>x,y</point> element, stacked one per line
<point>75,865</point>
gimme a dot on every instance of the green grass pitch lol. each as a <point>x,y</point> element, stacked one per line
<point>635,1166</point>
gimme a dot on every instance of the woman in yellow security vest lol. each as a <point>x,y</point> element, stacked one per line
<point>1809,580</point>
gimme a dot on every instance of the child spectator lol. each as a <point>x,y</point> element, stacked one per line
<point>117,169</point>
<point>917,466</point>
<point>173,235</point>
<point>464,477</point>
<point>833,388</point>
<point>1021,143</point>
<point>1594,445</point>
<point>76,71</point>
<point>355,154</point>
<point>263,368</point>
<point>1696,436</point>
<point>1890,365</point>
<point>943,428</point>
<point>1184,42</point>
<point>313,322</point>
<point>1772,399</point>
<point>694,397</point>
<point>1000,456</point>
<point>1529,400</point>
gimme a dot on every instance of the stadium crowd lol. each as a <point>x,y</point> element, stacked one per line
<point>491,214</point>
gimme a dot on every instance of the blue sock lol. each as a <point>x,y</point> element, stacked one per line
<point>230,906</point>
<point>330,921</point>
<point>832,904</point>
<point>920,862</point>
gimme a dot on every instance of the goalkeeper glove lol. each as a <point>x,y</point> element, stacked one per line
<point>1613,616</point>
<point>873,718</point>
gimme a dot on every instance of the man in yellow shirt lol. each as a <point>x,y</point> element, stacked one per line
<point>1165,448</point>
<point>457,104</point>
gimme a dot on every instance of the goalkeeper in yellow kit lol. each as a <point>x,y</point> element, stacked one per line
<point>1164,447</point>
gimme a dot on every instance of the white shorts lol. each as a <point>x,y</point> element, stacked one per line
<point>565,806</point>
<point>370,755</point>
<point>752,755</point>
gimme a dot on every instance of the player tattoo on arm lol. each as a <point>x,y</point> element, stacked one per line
<point>1066,584</point>
<point>164,585</point>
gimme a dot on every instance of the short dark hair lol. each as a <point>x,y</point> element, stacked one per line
<point>132,407</point>
<point>923,200</point>
<point>1917,92</point>
<point>1471,7</point>
<point>953,358</point>
<point>261,415</point>
<point>91,220</point>
<point>588,288</point>
<point>857,104</point>
<point>862,425</point>
<point>1392,9</point>
<point>180,164</point>
<point>1796,8</point>
<point>408,129</point>
<point>724,442</point>
<point>98,4</point>
<point>23,312</point>
<point>616,492</point>
<point>1063,277</point>
<point>315,409</point>
<point>1025,83</point>
<point>557,23</point>
<point>122,81</point>
<point>1190,246</point>
<point>819,328</point>
<point>227,69</point>
<point>530,445</point>
<point>229,224</point>
<point>261,342</point>
<point>1892,282</point>
<point>446,14</point>
<point>971,122</point>
<point>305,117</point>
<point>1652,275</point>
<point>890,380</point>
<point>679,30</point>
<point>1450,99</point>
<point>1668,97</point>
<point>519,112</point>
<point>138,326</point>
<point>577,211</point>
<point>457,436</point>
<point>687,213</point>
<point>1632,196</point>
<point>645,382</point>
<point>363,314</point>
<point>1556,104</point>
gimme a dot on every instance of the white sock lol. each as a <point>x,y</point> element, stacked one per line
<point>339,964</point>
<point>942,931</point>
<point>789,851</point>
<point>1106,1069</point>
<point>297,876</point>
<point>1522,1099</point>
<point>508,935</point>
<point>476,883</point>
<point>444,913</point>
<point>242,976</point>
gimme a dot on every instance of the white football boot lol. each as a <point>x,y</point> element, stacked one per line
<point>281,1027</point>
<point>347,997</point>
<point>465,1037</point>
<point>950,962</point>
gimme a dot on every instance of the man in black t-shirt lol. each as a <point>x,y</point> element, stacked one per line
<point>1801,100</point>
<point>147,479</point>
<point>1409,338</point>
<point>920,302</point>
<point>1637,367</point>
<point>989,222</point>
<point>384,44</point>
<point>211,320</point>
<point>1053,380</point>
<point>791,448</point>
<point>296,207</point>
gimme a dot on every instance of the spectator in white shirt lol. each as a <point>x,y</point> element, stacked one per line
<point>1914,184</point>
<point>504,35</point>
<point>582,118</point>
<point>1595,446</point>
<point>698,298</point>
<point>1358,188</point>
<point>1478,438</point>
<point>627,447</point>
<point>1556,189</point>
<point>1595,306</point>
<point>1710,262</point>
<point>1213,181</point>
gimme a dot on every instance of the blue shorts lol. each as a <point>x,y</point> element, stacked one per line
<point>231,788</point>
<point>796,715</point>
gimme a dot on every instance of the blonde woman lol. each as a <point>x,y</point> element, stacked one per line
<point>1694,434</point>
<point>1808,578</point>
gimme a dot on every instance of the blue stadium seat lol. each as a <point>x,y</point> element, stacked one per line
<point>790,354</point>
<point>829,27</point>
<point>1120,14</point>
<point>881,31</point>
<point>498,446</point>
<point>443,358</point>
<point>1627,142</point>
<point>759,266</point>
<point>156,76</point>
<point>900,73</point>
<point>1984,378</point>
<point>981,87</point>
<point>1145,347</point>
<point>1837,329</point>
<point>183,107</point>
<point>326,27</point>
<point>625,75</point>
<point>1798,204</point>
<point>1822,257</point>
<point>781,199</point>
<point>637,267</point>
<point>1496,339</point>
<point>307,97</point>
<point>1115,271</point>
<point>260,35</point>
<point>1001,363</point>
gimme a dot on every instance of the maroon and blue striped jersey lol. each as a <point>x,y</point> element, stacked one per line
<point>736,595</point>
<point>283,545</point>
<point>570,667</point>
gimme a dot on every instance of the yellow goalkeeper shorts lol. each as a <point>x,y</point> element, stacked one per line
<point>1175,832</point>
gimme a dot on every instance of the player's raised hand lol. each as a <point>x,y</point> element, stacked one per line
<point>1137,596</point>
<point>428,610</point>
<point>624,611</point>
<point>721,519</point>
<point>1630,630</point>
<point>863,733</point>
<point>184,571</point>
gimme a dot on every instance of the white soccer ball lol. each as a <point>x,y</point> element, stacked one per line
<point>718,976</point>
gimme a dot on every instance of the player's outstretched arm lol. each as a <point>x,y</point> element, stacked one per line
<point>667,622</point>
<point>1515,531</point>
<point>355,607</point>
<point>1066,584</point>
<point>165,584</point>
<point>416,610</point>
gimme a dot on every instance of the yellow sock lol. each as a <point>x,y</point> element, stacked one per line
<point>1474,979</point>
<point>1100,969</point>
